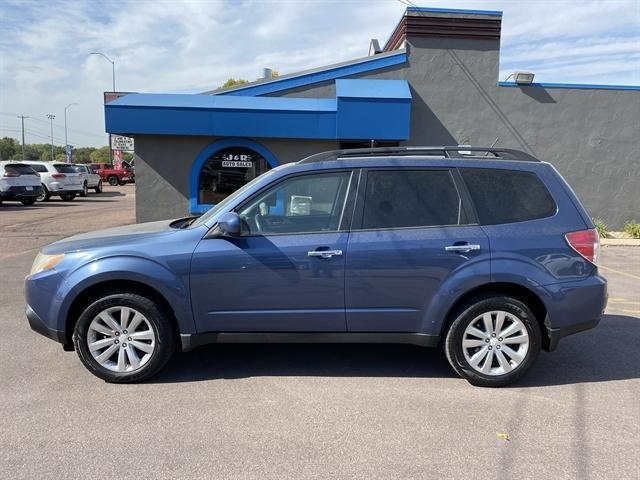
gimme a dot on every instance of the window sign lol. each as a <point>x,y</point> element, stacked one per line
<point>226,171</point>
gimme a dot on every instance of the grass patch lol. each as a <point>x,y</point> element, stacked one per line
<point>601,227</point>
<point>632,228</point>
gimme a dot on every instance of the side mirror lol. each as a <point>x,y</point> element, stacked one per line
<point>230,224</point>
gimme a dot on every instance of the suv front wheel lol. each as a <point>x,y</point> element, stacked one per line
<point>124,338</point>
<point>493,342</point>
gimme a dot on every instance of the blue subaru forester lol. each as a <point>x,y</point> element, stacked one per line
<point>485,252</point>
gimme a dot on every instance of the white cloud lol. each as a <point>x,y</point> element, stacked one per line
<point>195,45</point>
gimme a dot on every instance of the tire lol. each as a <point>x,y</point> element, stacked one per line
<point>122,184</point>
<point>524,342</point>
<point>85,190</point>
<point>67,197</point>
<point>98,189</point>
<point>160,343</point>
<point>28,202</point>
<point>113,181</point>
<point>45,196</point>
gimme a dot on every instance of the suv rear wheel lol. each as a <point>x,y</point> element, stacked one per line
<point>124,338</point>
<point>85,190</point>
<point>493,342</point>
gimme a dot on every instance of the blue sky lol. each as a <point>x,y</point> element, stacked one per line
<point>162,46</point>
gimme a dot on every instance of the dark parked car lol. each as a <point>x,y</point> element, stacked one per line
<point>486,252</point>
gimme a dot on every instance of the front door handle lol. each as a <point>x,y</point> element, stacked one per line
<point>462,248</point>
<point>324,253</point>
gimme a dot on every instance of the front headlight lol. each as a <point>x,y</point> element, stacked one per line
<point>45,262</point>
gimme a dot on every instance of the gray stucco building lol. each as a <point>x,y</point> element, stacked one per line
<point>433,83</point>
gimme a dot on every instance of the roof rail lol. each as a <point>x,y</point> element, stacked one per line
<point>457,151</point>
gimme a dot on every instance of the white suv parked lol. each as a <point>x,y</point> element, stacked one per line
<point>18,181</point>
<point>58,179</point>
<point>89,179</point>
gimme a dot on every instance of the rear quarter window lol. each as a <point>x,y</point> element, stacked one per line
<point>507,196</point>
<point>39,168</point>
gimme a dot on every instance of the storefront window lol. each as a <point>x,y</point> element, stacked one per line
<point>226,171</point>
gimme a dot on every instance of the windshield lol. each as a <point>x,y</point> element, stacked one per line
<point>216,208</point>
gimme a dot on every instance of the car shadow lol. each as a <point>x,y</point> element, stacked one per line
<point>608,352</point>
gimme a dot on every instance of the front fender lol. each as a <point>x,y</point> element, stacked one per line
<point>127,268</point>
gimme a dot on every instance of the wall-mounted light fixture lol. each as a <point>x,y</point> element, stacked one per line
<point>522,78</point>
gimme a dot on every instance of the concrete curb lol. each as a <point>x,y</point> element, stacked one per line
<point>620,242</point>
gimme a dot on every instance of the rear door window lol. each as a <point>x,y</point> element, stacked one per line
<point>507,196</point>
<point>411,198</point>
<point>19,168</point>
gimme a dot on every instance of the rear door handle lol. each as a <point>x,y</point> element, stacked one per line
<point>324,253</point>
<point>461,248</point>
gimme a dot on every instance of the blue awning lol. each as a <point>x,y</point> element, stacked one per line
<point>362,109</point>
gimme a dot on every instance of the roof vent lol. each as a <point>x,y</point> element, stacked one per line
<point>267,73</point>
<point>374,47</point>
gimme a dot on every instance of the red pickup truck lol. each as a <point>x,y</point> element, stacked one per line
<point>115,176</point>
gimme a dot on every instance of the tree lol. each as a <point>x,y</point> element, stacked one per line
<point>8,148</point>
<point>232,82</point>
<point>82,154</point>
<point>100,155</point>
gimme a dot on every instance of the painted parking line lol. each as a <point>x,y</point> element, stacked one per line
<point>630,275</point>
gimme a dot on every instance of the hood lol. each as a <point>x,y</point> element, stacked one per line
<point>111,237</point>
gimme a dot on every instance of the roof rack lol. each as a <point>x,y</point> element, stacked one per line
<point>457,151</point>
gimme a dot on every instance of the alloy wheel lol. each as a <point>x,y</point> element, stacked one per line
<point>121,339</point>
<point>495,343</point>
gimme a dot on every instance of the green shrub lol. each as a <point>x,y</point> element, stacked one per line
<point>601,227</point>
<point>632,228</point>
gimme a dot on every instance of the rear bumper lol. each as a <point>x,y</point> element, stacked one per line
<point>555,334</point>
<point>20,193</point>
<point>37,325</point>
<point>574,307</point>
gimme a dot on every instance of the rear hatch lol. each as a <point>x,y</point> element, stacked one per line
<point>71,177</point>
<point>18,175</point>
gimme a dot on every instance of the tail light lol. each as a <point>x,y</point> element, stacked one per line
<point>58,175</point>
<point>586,243</point>
<point>10,172</point>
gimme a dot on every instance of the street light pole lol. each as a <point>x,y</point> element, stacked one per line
<point>113,84</point>
<point>22,117</point>
<point>51,116</point>
<point>66,142</point>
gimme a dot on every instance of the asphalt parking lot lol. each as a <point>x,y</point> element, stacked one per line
<point>318,411</point>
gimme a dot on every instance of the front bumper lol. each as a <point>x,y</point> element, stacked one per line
<point>21,193</point>
<point>37,325</point>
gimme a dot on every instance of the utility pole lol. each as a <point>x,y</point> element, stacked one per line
<point>113,85</point>
<point>51,116</point>
<point>22,117</point>
<point>66,142</point>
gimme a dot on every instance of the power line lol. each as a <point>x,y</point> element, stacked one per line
<point>43,136</point>
<point>83,132</point>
